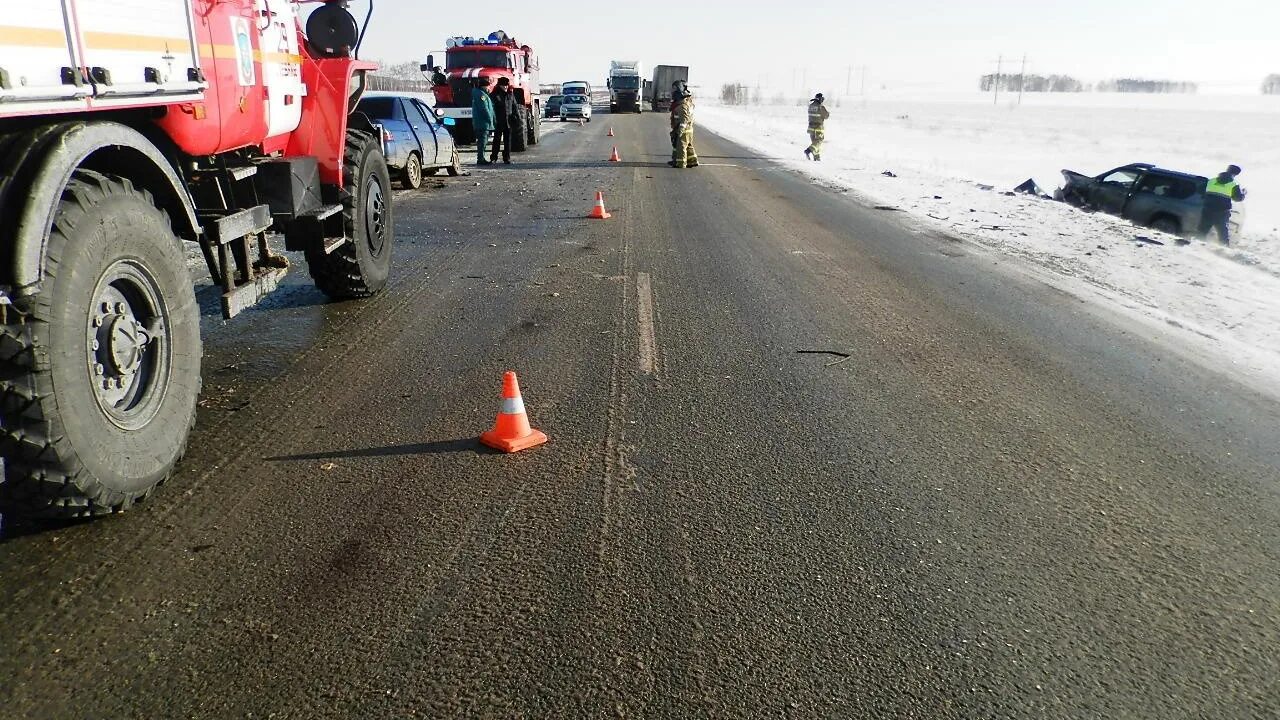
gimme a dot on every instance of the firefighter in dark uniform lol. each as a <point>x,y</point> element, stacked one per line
<point>1219,197</point>
<point>817,127</point>
<point>505,120</point>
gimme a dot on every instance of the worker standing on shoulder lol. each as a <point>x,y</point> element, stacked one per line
<point>481,117</point>
<point>817,123</point>
<point>504,119</point>
<point>1219,197</point>
<point>683,155</point>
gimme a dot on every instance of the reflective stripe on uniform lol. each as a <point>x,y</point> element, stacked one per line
<point>513,406</point>
<point>815,116</point>
<point>1226,189</point>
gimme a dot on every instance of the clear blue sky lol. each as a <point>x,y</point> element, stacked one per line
<point>921,44</point>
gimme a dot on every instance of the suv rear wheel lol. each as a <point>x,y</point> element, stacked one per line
<point>1166,224</point>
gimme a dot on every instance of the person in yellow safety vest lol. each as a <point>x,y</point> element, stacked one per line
<point>1219,196</point>
<point>817,133</point>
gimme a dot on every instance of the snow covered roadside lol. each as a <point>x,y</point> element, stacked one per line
<point>1218,305</point>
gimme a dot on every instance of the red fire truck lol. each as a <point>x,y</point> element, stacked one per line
<point>498,55</point>
<point>126,128</point>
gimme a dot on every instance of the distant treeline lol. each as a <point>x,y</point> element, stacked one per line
<point>1132,85</point>
<point>1013,82</point>
<point>735,94</point>
<point>1271,86</point>
<point>1031,83</point>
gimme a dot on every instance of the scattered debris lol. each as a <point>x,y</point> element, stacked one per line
<point>888,207</point>
<point>838,353</point>
<point>982,186</point>
<point>1145,239</point>
<point>888,173</point>
<point>1031,188</point>
<point>328,466</point>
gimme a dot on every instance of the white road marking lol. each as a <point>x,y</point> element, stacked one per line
<point>648,336</point>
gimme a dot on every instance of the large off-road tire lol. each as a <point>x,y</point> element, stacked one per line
<point>535,126</point>
<point>100,376</point>
<point>520,140</point>
<point>360,266</point>
<point>411,177</point>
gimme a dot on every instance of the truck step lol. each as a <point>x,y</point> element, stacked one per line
<point>323,212</point>
<point>225,229</point>
<point>237,173</point>
<point>251,293</point>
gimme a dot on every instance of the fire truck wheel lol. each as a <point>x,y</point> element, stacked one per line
<point>359,267</point>
<point>455,164</point>
<point>412,175</point>
<point>535,128</point>
<point>98,385</point>
<point>520,140</point>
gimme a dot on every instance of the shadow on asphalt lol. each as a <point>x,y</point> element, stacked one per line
<point>438,447</point>
<point>517,165</point>
<point>12,529</point>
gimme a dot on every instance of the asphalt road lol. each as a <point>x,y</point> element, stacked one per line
<point>996,502</point>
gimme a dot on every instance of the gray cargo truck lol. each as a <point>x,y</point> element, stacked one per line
<point>660,88</point>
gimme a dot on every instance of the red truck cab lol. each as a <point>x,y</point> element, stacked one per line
<point>496,56</point>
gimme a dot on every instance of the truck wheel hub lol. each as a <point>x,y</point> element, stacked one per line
<point>128,358</point>
<point>375,215</point>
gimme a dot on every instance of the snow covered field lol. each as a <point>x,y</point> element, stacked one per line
<point>1218,304</point>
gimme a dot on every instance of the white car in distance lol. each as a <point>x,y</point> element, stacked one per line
<point>575,107</point>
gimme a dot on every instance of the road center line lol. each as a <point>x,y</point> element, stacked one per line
<point>644,312</point>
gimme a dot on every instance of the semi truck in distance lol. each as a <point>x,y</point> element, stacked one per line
<point>626,86</point>
<point>660,88</point>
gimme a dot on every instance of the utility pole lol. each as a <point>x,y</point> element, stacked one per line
<point>1022,79</point>
<point>999,72</point>
<point>864,86</point>
<point>848,83</point>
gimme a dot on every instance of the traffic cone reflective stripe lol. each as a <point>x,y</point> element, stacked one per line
<point>512,432</point>
<point>615,157</point>
<point>610,132</point>
<point>598,212</point>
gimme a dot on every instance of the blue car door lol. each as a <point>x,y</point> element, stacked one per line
<point>444,140</point>
<point>424,126</point>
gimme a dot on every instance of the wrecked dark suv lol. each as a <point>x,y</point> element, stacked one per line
<point>1165,200</point>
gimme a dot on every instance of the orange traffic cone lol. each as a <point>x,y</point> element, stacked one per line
<point>610,132</point>
<point>511,433</point>
<point>598,212</point>
<point>615,157</point>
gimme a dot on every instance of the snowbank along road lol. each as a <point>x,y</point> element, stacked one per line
<point>949,165</point>
<point>972,495</point>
